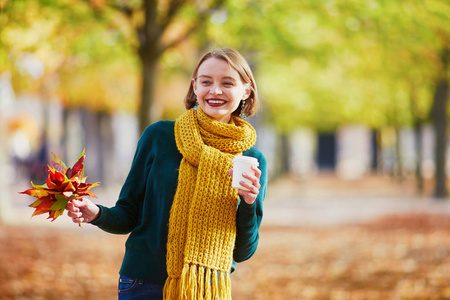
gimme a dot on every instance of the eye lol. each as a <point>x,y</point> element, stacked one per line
<point>205,82</point>
<point>228,83</point>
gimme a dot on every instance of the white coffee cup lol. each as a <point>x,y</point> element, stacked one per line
<point>243,164</point>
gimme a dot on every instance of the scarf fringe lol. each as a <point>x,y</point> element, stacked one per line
<point>171,289</point>
<point>198,283</point>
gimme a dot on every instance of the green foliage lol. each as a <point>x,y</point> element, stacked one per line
<point>317,63</point>
<point>83,57</point>
<point>325,63</point>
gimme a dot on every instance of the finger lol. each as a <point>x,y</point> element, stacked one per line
<point>257,171</point>
<point>245,193</point>
<point>75,215</point>
<point>77,220</point>
<point>251,188</point>
<point>70,206</point>
<point>253,179</point>
<point>230,172</point>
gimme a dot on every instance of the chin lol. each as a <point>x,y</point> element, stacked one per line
<point>218,117</point>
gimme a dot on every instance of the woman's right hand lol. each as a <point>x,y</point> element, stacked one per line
<point>82,210</point>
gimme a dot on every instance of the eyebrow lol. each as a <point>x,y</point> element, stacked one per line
<point>226,77</point>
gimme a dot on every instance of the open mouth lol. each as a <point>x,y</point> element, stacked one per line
<point>216,102</point>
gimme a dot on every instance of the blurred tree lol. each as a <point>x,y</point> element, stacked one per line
<point>414,44</point>
<point>319,64</point>
<point>326,63</point>
<point>160,25</point>
<point>440,117</point>
<point>60,49</point>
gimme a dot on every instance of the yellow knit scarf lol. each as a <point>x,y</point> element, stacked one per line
<point>202,224</point>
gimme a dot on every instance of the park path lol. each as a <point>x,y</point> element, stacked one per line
<point>326,201</point>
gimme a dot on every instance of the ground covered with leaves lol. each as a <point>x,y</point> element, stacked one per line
<point>396,257</point>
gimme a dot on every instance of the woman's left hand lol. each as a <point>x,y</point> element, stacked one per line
<point>250,195</point>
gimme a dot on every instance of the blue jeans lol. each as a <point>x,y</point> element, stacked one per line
<point>135,289</point>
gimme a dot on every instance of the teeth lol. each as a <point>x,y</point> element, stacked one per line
<point>216,101</point>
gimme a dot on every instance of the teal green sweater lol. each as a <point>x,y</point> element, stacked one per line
<point>145,200</point>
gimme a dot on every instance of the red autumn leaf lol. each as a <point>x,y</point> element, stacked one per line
<point>78,167</point>
<point>43,205</point>
<point>56,180</point>
<point>62,185</point>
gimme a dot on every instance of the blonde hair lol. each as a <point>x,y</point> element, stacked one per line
<point>235,59</point>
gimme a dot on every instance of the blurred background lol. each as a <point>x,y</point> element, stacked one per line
<point>353,122</point>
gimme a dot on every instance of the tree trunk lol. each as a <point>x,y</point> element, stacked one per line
<point>147,113</point>
<point>151,47</point>
<point>375,151</point>
<point>440,126</point>
<point>284,153</point>
<point>150,50</point>
<point>419,154</point>
<point>400,172</point>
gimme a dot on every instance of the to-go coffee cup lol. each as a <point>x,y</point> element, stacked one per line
<point>243,164</point>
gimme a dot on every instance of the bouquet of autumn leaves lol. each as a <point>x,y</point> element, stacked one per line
<point>63,185</point>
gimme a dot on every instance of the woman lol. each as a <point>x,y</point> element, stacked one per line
<point>188,225</point>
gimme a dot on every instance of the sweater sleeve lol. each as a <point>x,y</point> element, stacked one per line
<point>123,217</point>
<point>249,216</point>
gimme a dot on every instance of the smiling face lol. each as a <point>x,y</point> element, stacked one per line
<point>219,89</point>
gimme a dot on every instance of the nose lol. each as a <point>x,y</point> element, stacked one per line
<point>215,89</point>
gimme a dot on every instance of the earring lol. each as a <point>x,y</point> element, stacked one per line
<point>196,105</point>
<point>243,115</point>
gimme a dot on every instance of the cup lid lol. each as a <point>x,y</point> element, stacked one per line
<point>247,159</point>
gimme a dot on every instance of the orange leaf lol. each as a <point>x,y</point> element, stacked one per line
<point>38,193</point>
<point>91,194</point>
<point>87,186</point>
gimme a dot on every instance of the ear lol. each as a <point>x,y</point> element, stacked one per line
<point>248,91</point>
<point>194,85</point>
